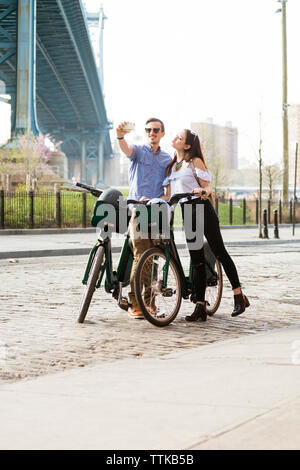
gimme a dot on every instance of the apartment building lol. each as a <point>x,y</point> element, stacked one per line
<point>218,141</point>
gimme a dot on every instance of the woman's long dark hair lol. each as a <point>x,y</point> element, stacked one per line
<point>194,151</point>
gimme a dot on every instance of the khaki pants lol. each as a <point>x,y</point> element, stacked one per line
<point>140,245</point>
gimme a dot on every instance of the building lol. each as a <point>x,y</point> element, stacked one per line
<point>294,136</point>
<point>218,141</point>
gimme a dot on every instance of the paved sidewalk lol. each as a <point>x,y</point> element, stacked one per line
<point>176,402</point>
<point>40,300</point>
<point>51,243</point>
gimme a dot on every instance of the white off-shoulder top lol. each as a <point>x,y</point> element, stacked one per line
<point>184,181</point>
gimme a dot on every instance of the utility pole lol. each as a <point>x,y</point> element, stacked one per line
<point>285,188</point>
<point>295,188</point>
<point>260,234</point>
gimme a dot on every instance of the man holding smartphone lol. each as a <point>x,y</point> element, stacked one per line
<point>146,175</point>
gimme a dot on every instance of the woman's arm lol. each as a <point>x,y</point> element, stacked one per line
<point>167,194</point>
<point>205,185</point>
<point>198,163</point>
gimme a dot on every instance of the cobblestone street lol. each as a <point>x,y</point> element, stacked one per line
<point>40,299</point>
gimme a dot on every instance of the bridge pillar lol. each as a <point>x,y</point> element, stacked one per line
<point>83,159</point>
<point>87,148</point>
<point>100,166</point>
<point>25,119</point>
<point>8,50</point>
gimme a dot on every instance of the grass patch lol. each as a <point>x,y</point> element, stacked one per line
<point>223,214</point>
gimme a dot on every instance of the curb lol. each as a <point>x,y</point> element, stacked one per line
<point>86,251</point>
<point>48,253</point>
<point>50,231</point>
<point>45,231</point>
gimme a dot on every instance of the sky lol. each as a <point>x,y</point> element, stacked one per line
<point>186,61</point>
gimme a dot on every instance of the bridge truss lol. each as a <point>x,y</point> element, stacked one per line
<point>49,70</point>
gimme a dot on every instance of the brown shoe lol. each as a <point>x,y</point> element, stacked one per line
<point>240,304</point>
<point>198,314</point>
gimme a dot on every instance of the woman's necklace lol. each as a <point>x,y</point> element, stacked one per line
<point>178,165</point>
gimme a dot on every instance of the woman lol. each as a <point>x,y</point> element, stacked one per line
<point>187,165</point>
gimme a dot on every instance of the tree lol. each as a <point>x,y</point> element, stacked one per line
<point>214,160</point>
<point>26,156</point>
<point>217,167</point>
<point>272,175</point>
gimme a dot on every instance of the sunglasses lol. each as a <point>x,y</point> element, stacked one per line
<point>149,129</point>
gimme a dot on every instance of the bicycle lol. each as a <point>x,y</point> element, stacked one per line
<point>100,262</point>
<point>160,281</point>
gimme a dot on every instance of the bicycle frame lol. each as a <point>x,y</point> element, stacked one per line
<point>112,278</point>
<point>170,249</point>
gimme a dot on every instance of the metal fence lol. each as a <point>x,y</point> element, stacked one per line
<point>74,209</point>
<point>45,209</point>
<point>246,212</point>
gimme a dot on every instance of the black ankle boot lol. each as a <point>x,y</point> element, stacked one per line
<point>198,314</point>
<point>240,304</point>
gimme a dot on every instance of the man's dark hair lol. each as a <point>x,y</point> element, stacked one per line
<point>156,120</point>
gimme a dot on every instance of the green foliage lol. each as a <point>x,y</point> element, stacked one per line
<point>26,156</point>
<point>17,209</point>
<point>125,192</point>
<point>237,214</point>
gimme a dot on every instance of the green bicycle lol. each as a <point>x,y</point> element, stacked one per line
<point>160,281</point>
<point>100,260</point>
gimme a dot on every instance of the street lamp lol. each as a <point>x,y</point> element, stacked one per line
<point>285,105</point>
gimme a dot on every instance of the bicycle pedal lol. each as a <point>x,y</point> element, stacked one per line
<point>124,304</point>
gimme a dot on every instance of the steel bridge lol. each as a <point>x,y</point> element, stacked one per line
<point>48,67</point>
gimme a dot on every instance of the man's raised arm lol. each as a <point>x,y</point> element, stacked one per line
<point>124,146</point>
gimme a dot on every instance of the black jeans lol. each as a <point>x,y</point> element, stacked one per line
<point>214,238</point>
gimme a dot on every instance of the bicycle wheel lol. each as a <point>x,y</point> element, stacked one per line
<point>214,290</point>
<point>158,292</point>
<point>91,284</point>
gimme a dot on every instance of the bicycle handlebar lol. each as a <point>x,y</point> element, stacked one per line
<point>133,201</point>
<point>174,199</point>
<point>92,189</point>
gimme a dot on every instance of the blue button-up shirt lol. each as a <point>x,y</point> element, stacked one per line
<point>147,172</point>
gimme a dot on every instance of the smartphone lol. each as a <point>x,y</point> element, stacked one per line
<point>129,126</point>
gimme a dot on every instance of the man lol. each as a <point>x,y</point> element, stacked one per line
<point>146,175</point>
